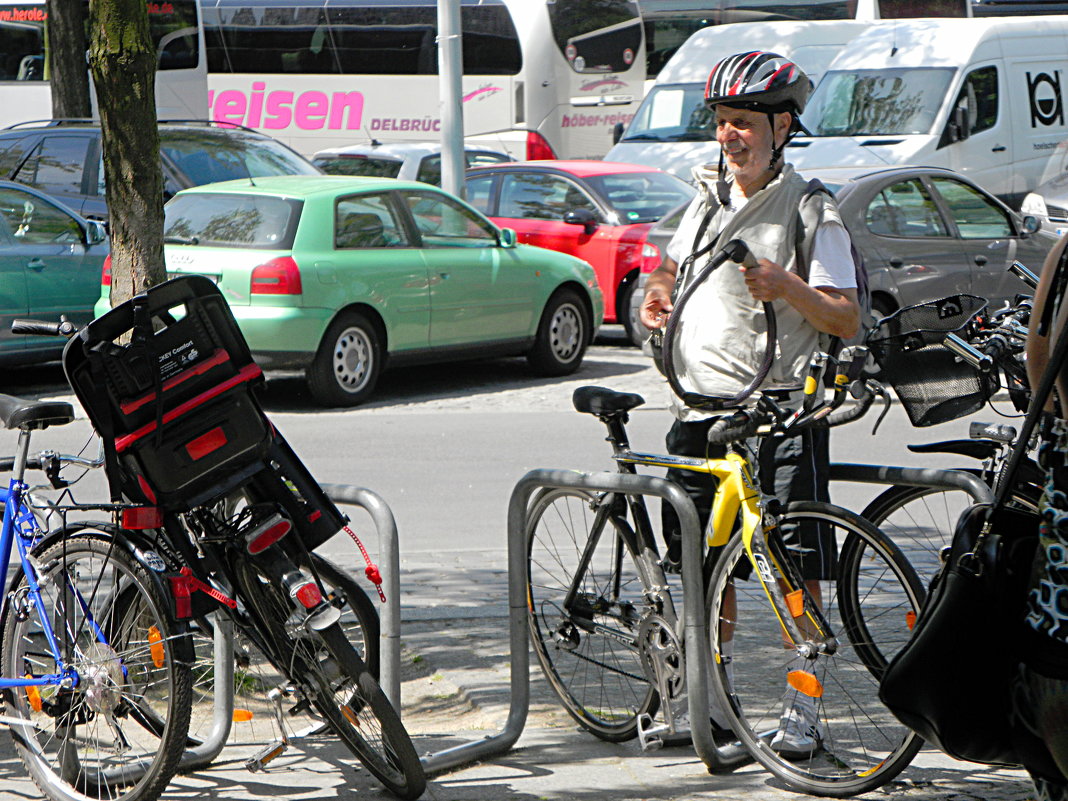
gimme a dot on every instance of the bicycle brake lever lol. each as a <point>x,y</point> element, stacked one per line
<point>50,465</point>
<point>884,393</point>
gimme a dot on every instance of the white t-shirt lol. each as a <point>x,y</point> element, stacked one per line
<point>832,262</point>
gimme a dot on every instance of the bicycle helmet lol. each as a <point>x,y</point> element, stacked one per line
<point>760,81</point>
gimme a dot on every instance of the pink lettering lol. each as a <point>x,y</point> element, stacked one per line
<point>255,106</point>
<point>350,102</point>
<point>278,104</point>
<point>230,106</point>
<point>312,108</point>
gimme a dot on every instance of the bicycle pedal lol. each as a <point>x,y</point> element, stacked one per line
<point>650,737</point>
<point>264,756</point>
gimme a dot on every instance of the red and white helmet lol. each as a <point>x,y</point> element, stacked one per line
<point>758,80</point>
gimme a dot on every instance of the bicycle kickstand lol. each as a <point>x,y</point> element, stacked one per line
<point>259,761</point>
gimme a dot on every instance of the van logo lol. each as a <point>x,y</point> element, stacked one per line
<point>1044,92</point>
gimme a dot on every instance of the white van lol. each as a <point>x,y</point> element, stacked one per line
<point>983,97</point>
<point>672,129</point>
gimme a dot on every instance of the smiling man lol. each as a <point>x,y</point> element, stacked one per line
<point>720,339</point>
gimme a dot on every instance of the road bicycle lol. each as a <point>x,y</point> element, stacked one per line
<point>935,359</point>
<point>605,630</point>
<point>94,667</point>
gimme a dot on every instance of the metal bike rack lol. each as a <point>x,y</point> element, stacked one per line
<point>693,613</point>
<point>202,755</point>
<point>914,477</point>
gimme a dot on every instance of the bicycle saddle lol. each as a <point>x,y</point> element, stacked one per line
<point>974,448</point>
<point>20,413</point>
<point>601,400</point>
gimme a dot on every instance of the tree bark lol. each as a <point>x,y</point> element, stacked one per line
<point>66,47</point>
<point>123,64</point>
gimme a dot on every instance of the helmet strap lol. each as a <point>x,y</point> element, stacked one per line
<point>723,189</point>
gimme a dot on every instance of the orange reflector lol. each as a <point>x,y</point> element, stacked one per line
<point>350,716</point>
<point>242,715</point>
<point>33,695</point>
<point>138,518</point>
<point>155,646</point>
<point>805,683</point>
<point>910,619</point>
<point>206,443</point>
<point>795,602</point>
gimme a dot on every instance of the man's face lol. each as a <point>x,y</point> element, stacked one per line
<point>746,139</point>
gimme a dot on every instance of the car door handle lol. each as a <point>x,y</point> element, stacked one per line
<point>981,260</point>
<point>896,262</point>
<point>997,149</point>
<point>36,264</point>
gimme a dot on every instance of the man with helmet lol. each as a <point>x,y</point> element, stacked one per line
<point>720,339</point>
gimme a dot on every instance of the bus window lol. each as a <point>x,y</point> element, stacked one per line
<point>275,39</point>
<point>609,48</point>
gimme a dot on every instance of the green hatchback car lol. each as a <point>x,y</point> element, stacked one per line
<point>345,276</point>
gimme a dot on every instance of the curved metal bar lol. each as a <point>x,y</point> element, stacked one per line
<point>389,565</point>
<point>915,477</point>
<point>693,614</point>
<point>202,755</point>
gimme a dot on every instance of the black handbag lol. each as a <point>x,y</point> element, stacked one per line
<point>952,681</point>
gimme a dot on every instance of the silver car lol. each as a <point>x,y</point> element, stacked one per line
<point>410,161</point>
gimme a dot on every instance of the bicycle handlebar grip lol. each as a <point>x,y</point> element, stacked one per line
<point>8,464</point>
<point>850,414</point>
<point>964,350</point>
<point>999,432</point>
<point>739,425</point>
<point>1024,274</point>
<point>64,328</point>
<point>739,252</point>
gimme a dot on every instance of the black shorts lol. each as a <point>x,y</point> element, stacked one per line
<point>790,469</point>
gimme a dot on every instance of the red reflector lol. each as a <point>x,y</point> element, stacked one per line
<point>142,517</point>
<point>206,443</point>
<point>105,275</point>
<point>264,538</point>
<point>308,595</point>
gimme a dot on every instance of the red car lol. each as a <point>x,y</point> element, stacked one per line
<point>600,211</point>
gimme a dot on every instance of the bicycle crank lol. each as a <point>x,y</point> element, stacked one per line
<point>662,662</point>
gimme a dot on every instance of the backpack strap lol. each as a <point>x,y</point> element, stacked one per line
<point>809,217</point>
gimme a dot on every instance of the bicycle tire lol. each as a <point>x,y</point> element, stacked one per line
<point>596,675</point>
<point>336,682</point>
<point>130,708</point>
<point>859,745</point>
<point>921,520</point>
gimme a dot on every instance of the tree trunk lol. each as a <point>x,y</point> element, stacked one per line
<point>66,58</point>
<point>123,64</point>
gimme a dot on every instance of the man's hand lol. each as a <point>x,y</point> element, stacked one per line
<point>655,308</point>
<point>768,281</point>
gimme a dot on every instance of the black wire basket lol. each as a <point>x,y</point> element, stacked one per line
<point>932,383</point>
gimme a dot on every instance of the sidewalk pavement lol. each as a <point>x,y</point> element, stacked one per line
<point>455,681</point>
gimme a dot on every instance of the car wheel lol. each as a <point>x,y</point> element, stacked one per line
<point>562,337</point>
<point>630,301</point>
<point>346,366</point>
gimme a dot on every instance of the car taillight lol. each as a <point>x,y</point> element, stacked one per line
<point>280,276</point>
<point>105,276</point>
<point>651,257</point>
<point>538,147</point>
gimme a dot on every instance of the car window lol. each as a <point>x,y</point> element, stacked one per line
<point>539,196</point>
<point>479,191</point>
<point>11,154</point>
<point>444,222</point>
<point>32,221</point>
<point>239,221</point>
<point>979,95</point>
<point>430,170</point>
<point>56,164</point>
<point>367,221</point>
<point>478,158</point>
<point>976,216</point>
<point>641,197</point>
<point>209,155</point>
<point>905,209</point>
<point>358,165</point>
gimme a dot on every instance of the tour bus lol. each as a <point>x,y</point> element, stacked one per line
<point>25,81</point>
<point>542,78</point>
<point>669,23</point>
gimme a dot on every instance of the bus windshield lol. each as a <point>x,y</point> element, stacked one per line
<point>877,102</point>
<point>610,47</point>
<point>673,113</point>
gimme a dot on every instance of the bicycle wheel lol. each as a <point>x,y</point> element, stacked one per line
<point>120,731</point>
<point>589,653</point>
<point>817,723</point>
<point>334,679</point>
<point>921,520</point>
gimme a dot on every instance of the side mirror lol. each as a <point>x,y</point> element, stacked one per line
<point>959,124</point>
<point>507,238</point>
<point>617,133</point>
<point>583,217</point>
<point>1030,225</point>
<point>95,232</point>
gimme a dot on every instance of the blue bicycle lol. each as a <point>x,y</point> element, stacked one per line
<point>94,667</point>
